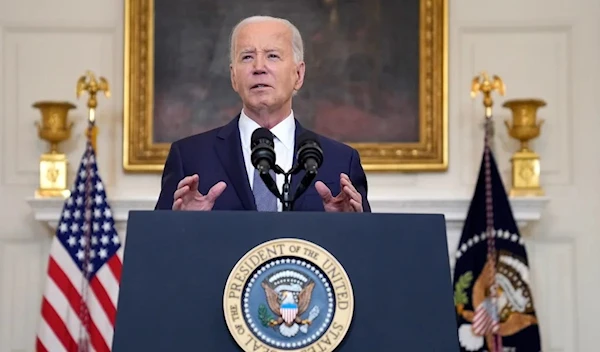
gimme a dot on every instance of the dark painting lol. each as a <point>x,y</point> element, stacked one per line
<point>362,66</point>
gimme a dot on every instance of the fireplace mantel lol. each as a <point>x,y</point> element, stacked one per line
<point>525,210</point>
<point>455,209</point>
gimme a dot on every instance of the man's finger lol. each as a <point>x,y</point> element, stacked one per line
<point>178,204</point>
<point>179,193</point>
<point>356,206</point>
<point>346,182</point>
<point>323,191</point>
<point>187,181</point>
<point>352,194</point>
<point>195,183</point>
<point>345,178</point>
<point>215,191</point>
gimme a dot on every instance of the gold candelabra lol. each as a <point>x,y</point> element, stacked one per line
<point>88,83</point>
<point>525,162</point>
<point>54,128</point>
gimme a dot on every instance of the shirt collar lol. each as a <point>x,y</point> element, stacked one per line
<point>283,131</point>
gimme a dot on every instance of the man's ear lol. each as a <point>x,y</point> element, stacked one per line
<point>232,76</point>
<point>300,70</point>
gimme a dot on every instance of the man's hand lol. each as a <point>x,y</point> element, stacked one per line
<point>349,200</point>
<point>187,196</point>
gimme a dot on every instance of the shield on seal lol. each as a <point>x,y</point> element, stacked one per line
<point>288,312</point>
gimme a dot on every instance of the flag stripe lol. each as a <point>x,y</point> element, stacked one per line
<point>110,282</point>
<point>48,338</point>
<point>57,300</point>
<point>65,266</point>
<point>96,311</point>
<point>98,341</point>
<point>39,346</point>
<point>100,319</point>
<point>115,265</point>
<point>71,293</point>
<point>103,300</point>
<point>58,326</point>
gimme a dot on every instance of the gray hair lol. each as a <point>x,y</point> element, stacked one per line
<point>297,44</point>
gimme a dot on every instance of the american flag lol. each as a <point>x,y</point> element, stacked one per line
<point>79,304</point>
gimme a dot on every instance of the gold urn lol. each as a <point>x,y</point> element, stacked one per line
<point>525,162</point>
<point>54,128</point>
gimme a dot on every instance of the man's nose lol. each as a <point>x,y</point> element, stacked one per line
<point>259,65</point>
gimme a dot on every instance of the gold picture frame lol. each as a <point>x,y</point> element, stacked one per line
<point>142,154</point>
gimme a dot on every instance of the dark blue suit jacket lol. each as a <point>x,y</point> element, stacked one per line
<point>216,155</point>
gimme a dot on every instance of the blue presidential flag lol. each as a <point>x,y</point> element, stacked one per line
<point>492,285</point>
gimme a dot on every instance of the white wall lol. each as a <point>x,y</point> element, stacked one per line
<point>541,48</point>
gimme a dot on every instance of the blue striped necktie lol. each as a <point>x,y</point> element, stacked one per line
<point>265,200</point>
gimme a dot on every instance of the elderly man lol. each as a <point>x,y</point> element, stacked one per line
<point>213,170</point>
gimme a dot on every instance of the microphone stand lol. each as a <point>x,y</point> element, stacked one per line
<point>286,198</point>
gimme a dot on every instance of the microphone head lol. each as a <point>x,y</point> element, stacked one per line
<point>305,137</point>
<point>263,149</point>
<point>309,149</point>
<point>261,135</point>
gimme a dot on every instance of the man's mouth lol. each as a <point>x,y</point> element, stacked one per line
<point>260,86</point>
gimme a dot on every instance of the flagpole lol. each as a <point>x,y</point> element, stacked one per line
<point>483,84</point>
<point>84,314</point>
<point>88,83</point>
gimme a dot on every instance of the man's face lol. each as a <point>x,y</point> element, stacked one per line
<point>263,71</point>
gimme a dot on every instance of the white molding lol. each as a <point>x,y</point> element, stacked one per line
<point>455,210</point>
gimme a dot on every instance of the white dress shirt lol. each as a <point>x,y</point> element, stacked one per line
<point>284,138</point>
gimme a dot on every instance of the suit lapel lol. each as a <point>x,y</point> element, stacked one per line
<point>229,150</point>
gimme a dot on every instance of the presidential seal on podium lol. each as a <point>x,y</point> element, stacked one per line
<point>288,295</point>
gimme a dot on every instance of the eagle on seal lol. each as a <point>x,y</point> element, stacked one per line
<point>287,309</point>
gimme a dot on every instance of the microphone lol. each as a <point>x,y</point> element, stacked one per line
<point>263,150</point>
<point>310,154</point>
<point>309,157</point>
<point>263,157</point>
